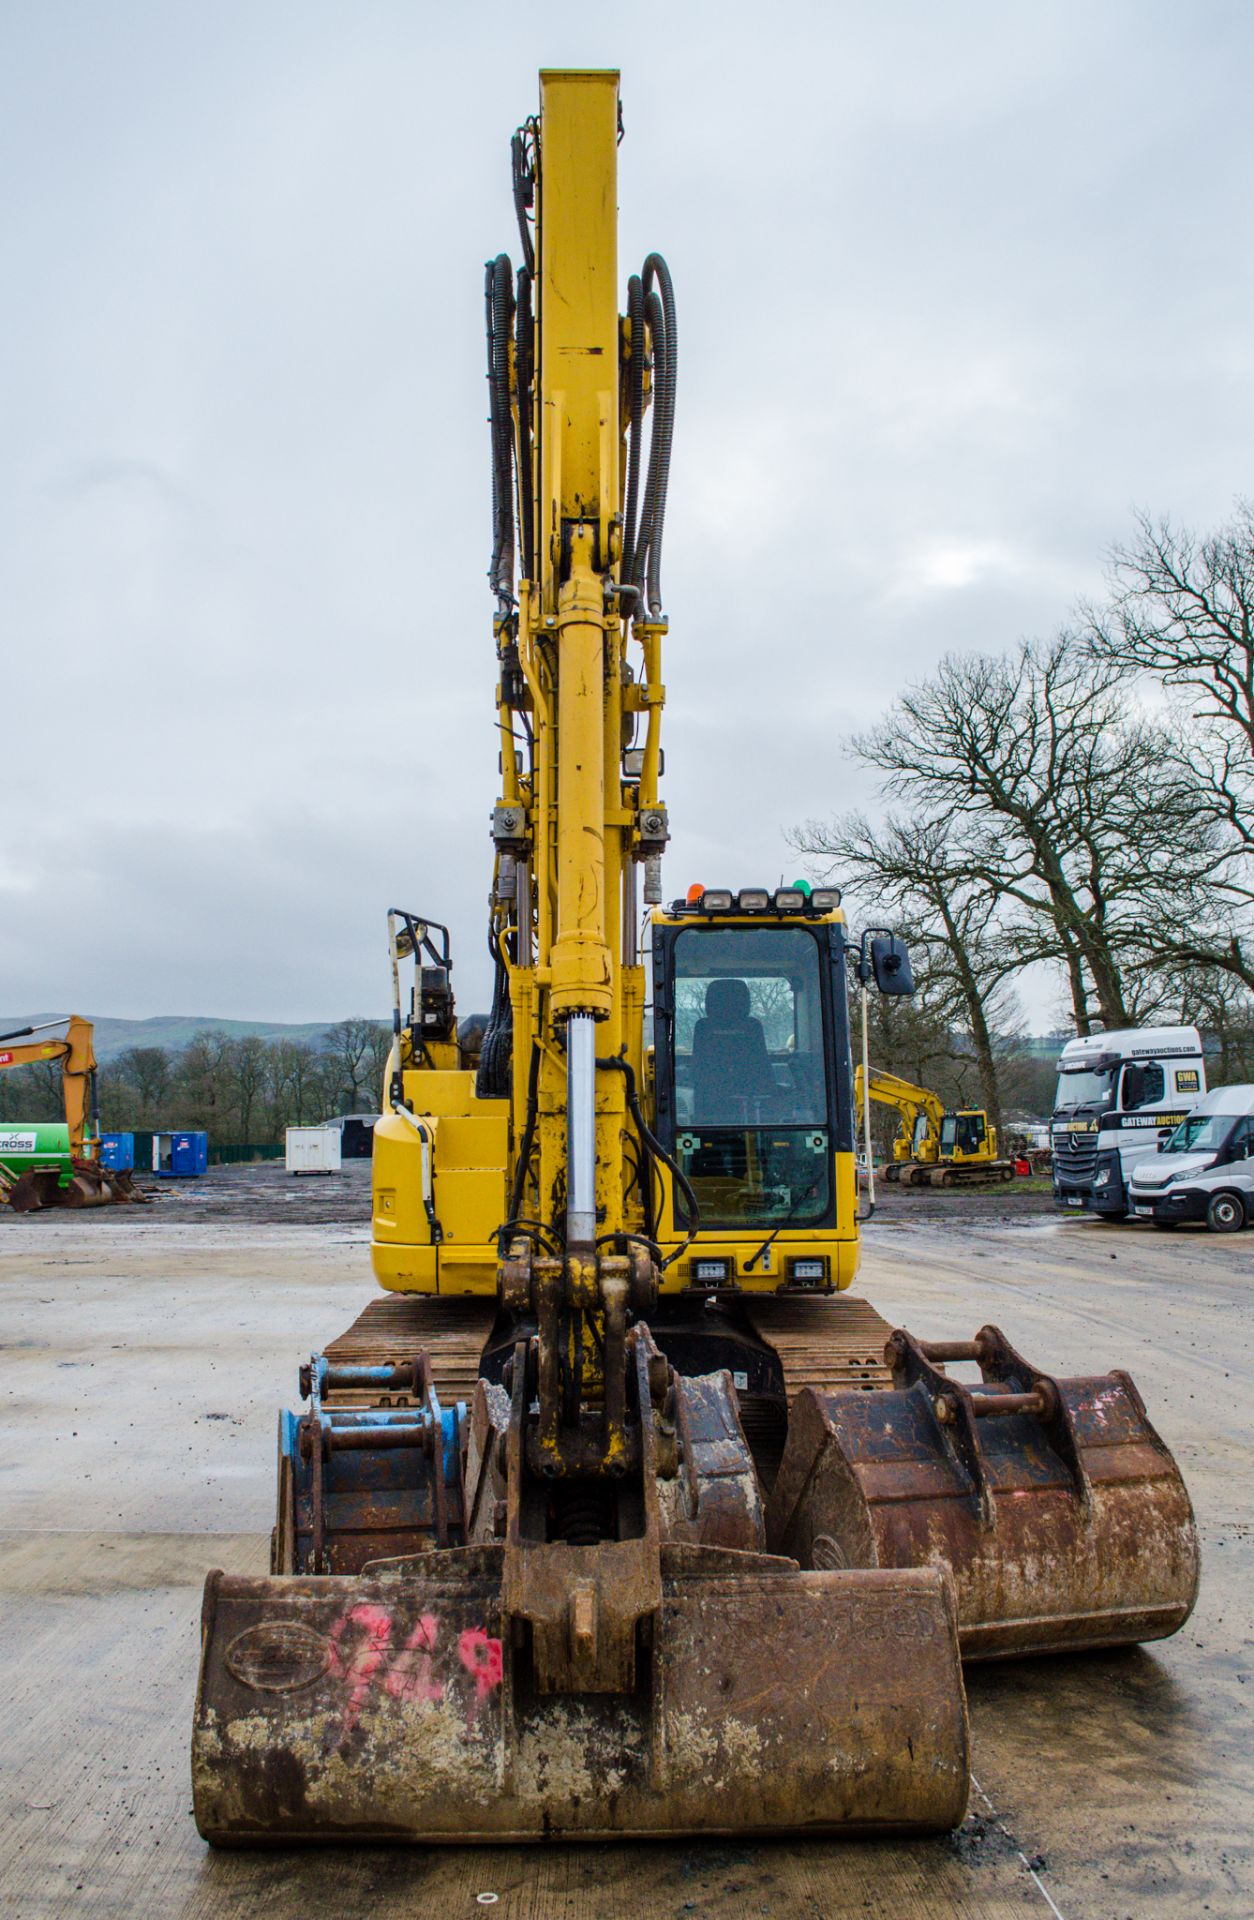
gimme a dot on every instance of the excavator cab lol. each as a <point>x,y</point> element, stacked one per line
<point>963,1136</point>
<point>753,1094</point>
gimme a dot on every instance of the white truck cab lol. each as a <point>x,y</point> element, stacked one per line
<point>1118,1093</point>
<point>1205,1169</point>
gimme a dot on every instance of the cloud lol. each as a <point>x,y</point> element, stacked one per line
<point>940,566</point>
<point>932,349</point>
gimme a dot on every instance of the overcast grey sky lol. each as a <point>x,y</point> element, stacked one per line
<point>959,286</point>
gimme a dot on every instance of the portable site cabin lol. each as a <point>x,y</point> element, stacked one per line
<point>313,1149</point>
<point>180,1156</point>
<point>117,1151</point>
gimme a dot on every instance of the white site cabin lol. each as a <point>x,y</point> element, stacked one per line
<point>313,1150</point>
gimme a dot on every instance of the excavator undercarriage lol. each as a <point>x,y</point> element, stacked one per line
<point>618,1516</point>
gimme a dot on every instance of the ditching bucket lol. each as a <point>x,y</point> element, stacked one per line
<point>1058,1508</point>
<point>768,1700</point>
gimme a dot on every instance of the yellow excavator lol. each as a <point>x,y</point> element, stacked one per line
<point>615,1514</point>
<point>934,1147</point>
<point>58,1165</point>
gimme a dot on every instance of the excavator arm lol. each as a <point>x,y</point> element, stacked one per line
<point>58,1178</point>
<point>75,1051</point>
<point>887,1090</point>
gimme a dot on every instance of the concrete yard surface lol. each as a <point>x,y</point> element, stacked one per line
<point>144,1355</point>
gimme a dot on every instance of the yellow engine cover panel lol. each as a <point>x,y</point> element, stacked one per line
<point>464,1178</point>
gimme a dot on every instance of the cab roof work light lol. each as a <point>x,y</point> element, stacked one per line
<point>798,898</point>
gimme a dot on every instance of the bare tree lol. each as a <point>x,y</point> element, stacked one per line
<point>357,1047</point>
<point>1182,612</point>
<point>145,1072</point>
<point>913,873</point>
<point>1062,804</point>
<point>246,1065</point>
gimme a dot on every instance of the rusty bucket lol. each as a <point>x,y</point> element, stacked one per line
<point>1058,1508</point>
<point>90,1185</point>
<point>402,1708</point>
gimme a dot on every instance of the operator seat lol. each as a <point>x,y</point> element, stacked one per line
<point>730,1063</point>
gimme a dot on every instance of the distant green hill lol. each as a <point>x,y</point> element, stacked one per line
<point>174,1030</point>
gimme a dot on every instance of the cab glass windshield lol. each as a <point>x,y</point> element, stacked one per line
<point>1200,1133</point>
<point>751,1124</point>
<point>962,1133</point>
<point>1084,1089</point>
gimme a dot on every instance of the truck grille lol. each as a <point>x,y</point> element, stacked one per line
<point>1075,1155</point>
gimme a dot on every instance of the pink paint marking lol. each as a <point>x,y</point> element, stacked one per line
<point>366,1655</point>
<point>410,1676</point>
<point>481,1655</point>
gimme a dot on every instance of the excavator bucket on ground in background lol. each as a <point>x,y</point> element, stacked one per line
<point>526,1581</point>
<point>1060,1512</point>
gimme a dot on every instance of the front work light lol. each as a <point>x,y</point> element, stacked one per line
<point>716,902</point>
<point>825,899</point>
<point>807,1273</point>
<point>753,900</point>
<point>711,1273</point>
<point>790,900</point>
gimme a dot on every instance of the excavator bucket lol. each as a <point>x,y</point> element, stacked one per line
<point>526,1689</point>
<point>400,1708</point>
<point>89,1185</point>
<point>1059,1510</point>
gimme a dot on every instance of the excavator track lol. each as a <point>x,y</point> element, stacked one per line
<point>833,1343</point>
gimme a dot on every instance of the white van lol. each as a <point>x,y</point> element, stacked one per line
<point>1119,1093</point>
<point>1205,1169</point>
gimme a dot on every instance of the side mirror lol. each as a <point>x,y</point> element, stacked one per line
<point>1164,1135</point>
<point>890,963</point>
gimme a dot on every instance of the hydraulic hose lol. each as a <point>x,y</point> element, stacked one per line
<point>524,1148</point>
<point>524,370</point>
<point>524,193</point>
<point>499,304</point>
<point>635,421</point>
<point>492,1081</point>
<point>653,1146</point>
<point>659,313</point>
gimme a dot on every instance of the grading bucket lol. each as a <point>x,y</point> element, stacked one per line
<point>402,1708</point>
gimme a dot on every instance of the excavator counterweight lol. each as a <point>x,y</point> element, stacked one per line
<point>587,1529</point>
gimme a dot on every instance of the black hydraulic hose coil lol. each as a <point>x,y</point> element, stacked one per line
<point>496,1056</point>
<point>635,420</point>
<point>499,303</point>
<point>524,372</point>
<point>659,305</point>
<point>524,1148</point>
<point>524,195</point>
<point>652,1146</point>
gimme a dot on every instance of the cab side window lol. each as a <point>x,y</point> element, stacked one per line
<point>1144,1085</point>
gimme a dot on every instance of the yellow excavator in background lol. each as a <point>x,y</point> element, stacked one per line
<point>58,1164</point>
<point>616,1514</point>
<point>935,1147</point>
